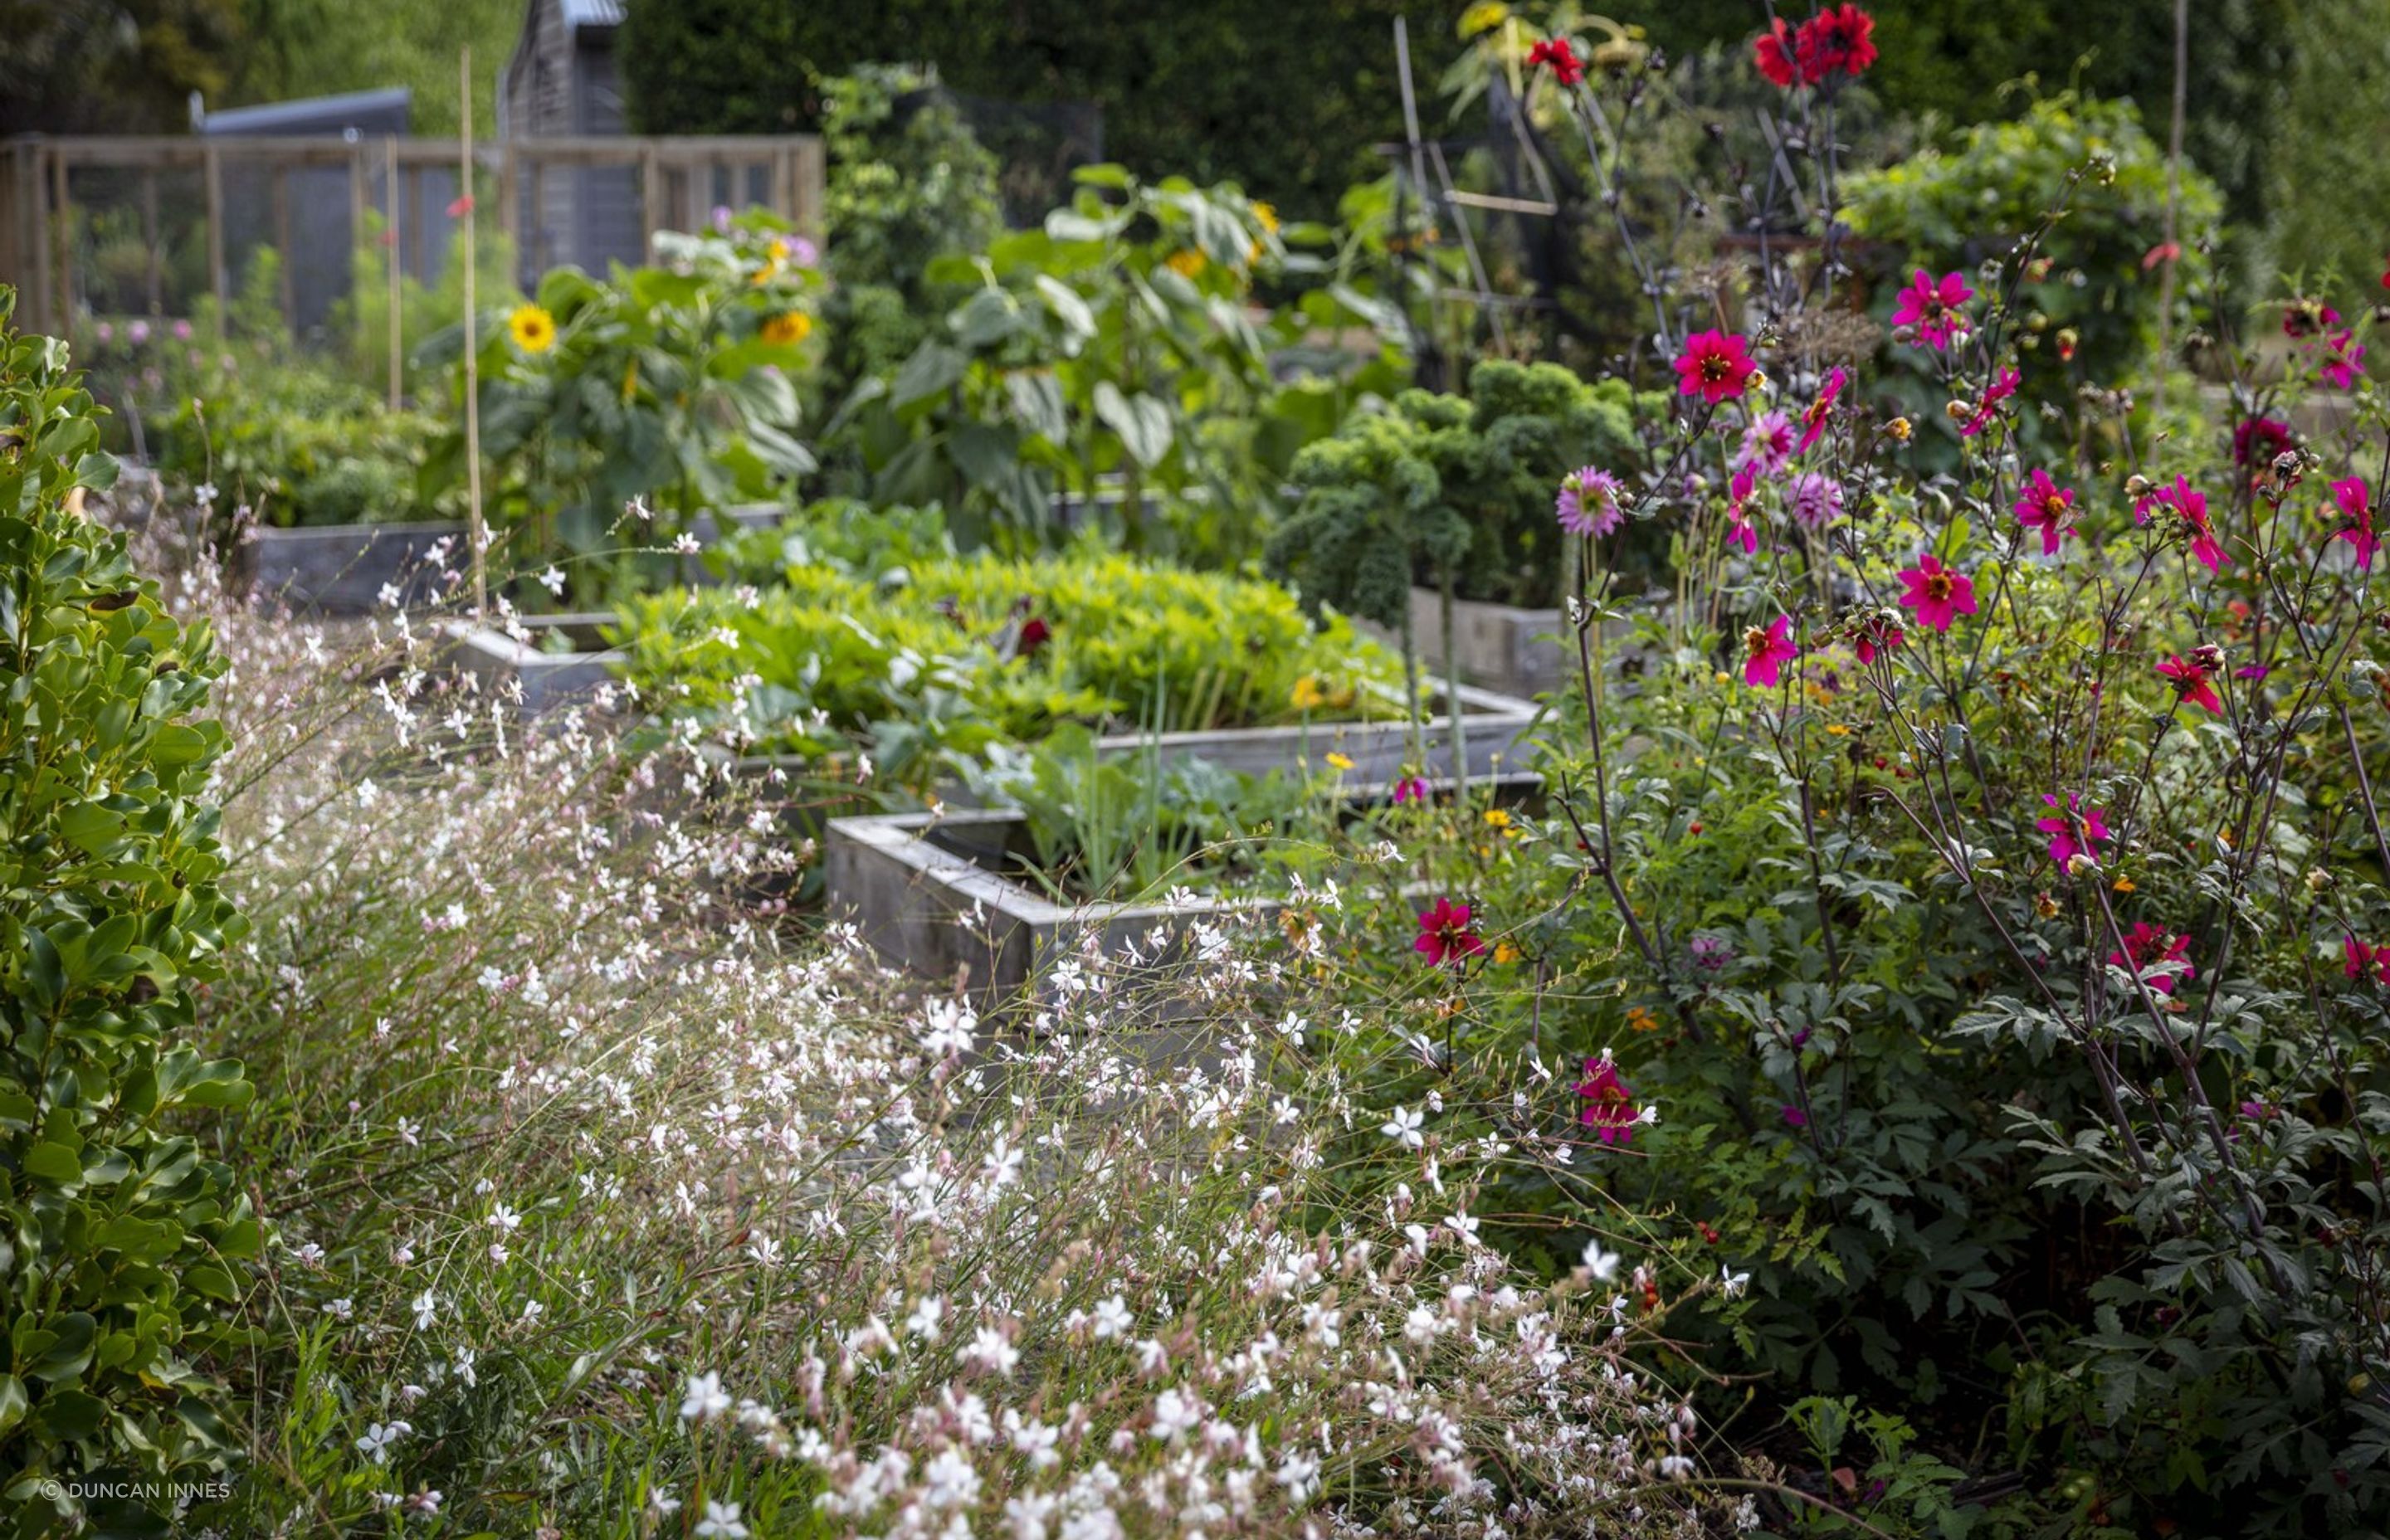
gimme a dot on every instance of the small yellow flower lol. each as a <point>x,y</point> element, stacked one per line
<point>2123,885</point>
<point>534,328</point>
<point>1186,263</point>
<point>1498,817</point>
<point>1265,216</point>
<point>1642,1020</point>
<point>1340,762</point>
<point>1898,427</point>
<point>1482,17</point>
<point>1506,953</point>
<point>788,328</point>
<point>1838,729</point>
<point>1308,695</point>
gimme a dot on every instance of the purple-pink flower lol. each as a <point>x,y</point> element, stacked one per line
<point>1767,443</point>
<point>1766,653</point>
<point>1410,788</point>
<point>2045,505</point>
<point>1813,419</point>
<point>2355,504</point>
<point>1715,366</point>
<point>2343,354</point>
<point>1589,502</point>
<point>1937,308</point>
<point>1815,498</point>
<point>1938,594</point>
<point>2074,829</point>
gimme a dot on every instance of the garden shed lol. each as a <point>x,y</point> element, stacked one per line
<point>560,82</point>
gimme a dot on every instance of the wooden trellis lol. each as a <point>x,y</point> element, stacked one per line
<point>678,180</point>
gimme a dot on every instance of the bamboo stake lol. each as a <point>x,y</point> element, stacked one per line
<point>479,531</point>
<point>390,260</point>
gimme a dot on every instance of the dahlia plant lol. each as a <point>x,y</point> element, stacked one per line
<point>1981,853</point>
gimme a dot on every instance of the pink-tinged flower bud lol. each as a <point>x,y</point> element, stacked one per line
<point>2080,863</point>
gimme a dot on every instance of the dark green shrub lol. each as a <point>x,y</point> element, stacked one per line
<point>122,1238</point>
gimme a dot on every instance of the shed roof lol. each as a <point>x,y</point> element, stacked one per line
<point>592,13</point>
<point>384,111</point>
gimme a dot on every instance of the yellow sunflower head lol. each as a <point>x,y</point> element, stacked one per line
<point>534,328</point>
<point>788,328</point>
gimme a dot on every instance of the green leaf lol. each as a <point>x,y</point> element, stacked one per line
<point>57,1164</point>
<point>1142,422</point>
<point>932,370</point>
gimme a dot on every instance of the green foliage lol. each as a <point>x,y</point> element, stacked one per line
<point>672,385</point>
<point>1440,485</point>
<point>1108,827</point>
<point>1949,64</point>
<point>114,65</point>
<point>932,665</point>
<point>1998,184</point>
<point>2335,104</point>
<point>908,183</point>
<point>313,48</point>
<point>1113,346</point>
<point>122,1240</point>
<point>1230,89</point>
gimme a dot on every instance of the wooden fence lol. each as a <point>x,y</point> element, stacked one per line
<point>49,187</point>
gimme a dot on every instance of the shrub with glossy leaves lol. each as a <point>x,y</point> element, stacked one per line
<point>119,1239</point>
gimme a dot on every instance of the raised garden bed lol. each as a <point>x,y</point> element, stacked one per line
<point>1503,646</point>
<point>948,896</point>
<point>1492,725</point>
<point>566,659</point>
<point>343,568</point>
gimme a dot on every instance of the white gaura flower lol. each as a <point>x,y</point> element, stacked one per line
<point>721,1520</point>
<point>1602,1264</point>
<point>1175,1414</point>
<point>1733,1283</point>
<point>1403,1127</point>
<point>380,1437</point>
<point>705,1399</point>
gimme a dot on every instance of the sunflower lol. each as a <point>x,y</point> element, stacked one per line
<point>788,328</point>
<point>534,328</point>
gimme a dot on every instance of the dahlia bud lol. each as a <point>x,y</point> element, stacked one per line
<point>2318,879</point>
<point>1959,411</point>
<point>2137,486</point>
<point>1898,427</point>
<point>2081,865</point>
<point>1757,382</point>
<point>2045,905</point>
<point>2208,655</point>
<point>2067,341</point>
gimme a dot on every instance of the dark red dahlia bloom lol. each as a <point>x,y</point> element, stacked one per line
<point>2162,955</point>
<point>2190,683</point>
<point>1445,935</point>
<point>1609,1108</point>
<point>2305,317</point>
<point>1034,633</point>
<point>1566,67</point>
<point>1774,52</point>
<point>1837,39</point>
<point>2258,439</point>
